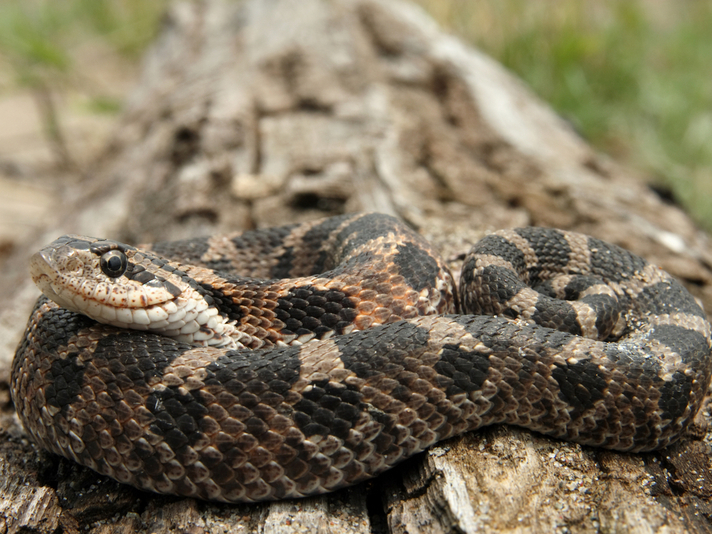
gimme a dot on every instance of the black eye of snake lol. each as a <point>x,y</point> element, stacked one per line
<point>113,263</point>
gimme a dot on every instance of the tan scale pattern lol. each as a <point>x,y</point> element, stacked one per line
<point>524,246</point>
<point>580,258</point>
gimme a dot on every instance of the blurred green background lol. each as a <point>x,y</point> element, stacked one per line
<point>632,76</point>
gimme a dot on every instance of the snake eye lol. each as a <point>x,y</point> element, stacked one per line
<point>113,263</point>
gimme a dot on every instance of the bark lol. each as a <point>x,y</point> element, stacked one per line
<point>266,112</point>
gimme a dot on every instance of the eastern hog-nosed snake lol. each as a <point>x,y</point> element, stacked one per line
<point>297,360</point>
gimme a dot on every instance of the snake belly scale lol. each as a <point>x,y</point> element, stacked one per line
<point>297,360</point>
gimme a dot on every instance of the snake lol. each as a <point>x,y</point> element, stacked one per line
<point>293,361</point>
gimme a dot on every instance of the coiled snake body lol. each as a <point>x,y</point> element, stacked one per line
<point>341,349</point>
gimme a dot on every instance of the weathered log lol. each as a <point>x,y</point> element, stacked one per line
<point>266,112</point>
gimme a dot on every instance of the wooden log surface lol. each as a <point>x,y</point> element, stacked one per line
<point>264,112</point>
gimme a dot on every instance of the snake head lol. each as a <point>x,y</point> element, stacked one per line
<point>123,286</point>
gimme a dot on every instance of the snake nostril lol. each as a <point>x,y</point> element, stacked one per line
<point>75,265</point>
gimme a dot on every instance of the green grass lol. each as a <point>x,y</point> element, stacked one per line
<point>39,44</point>
<point>37,37</point>
<point>633,76</point>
